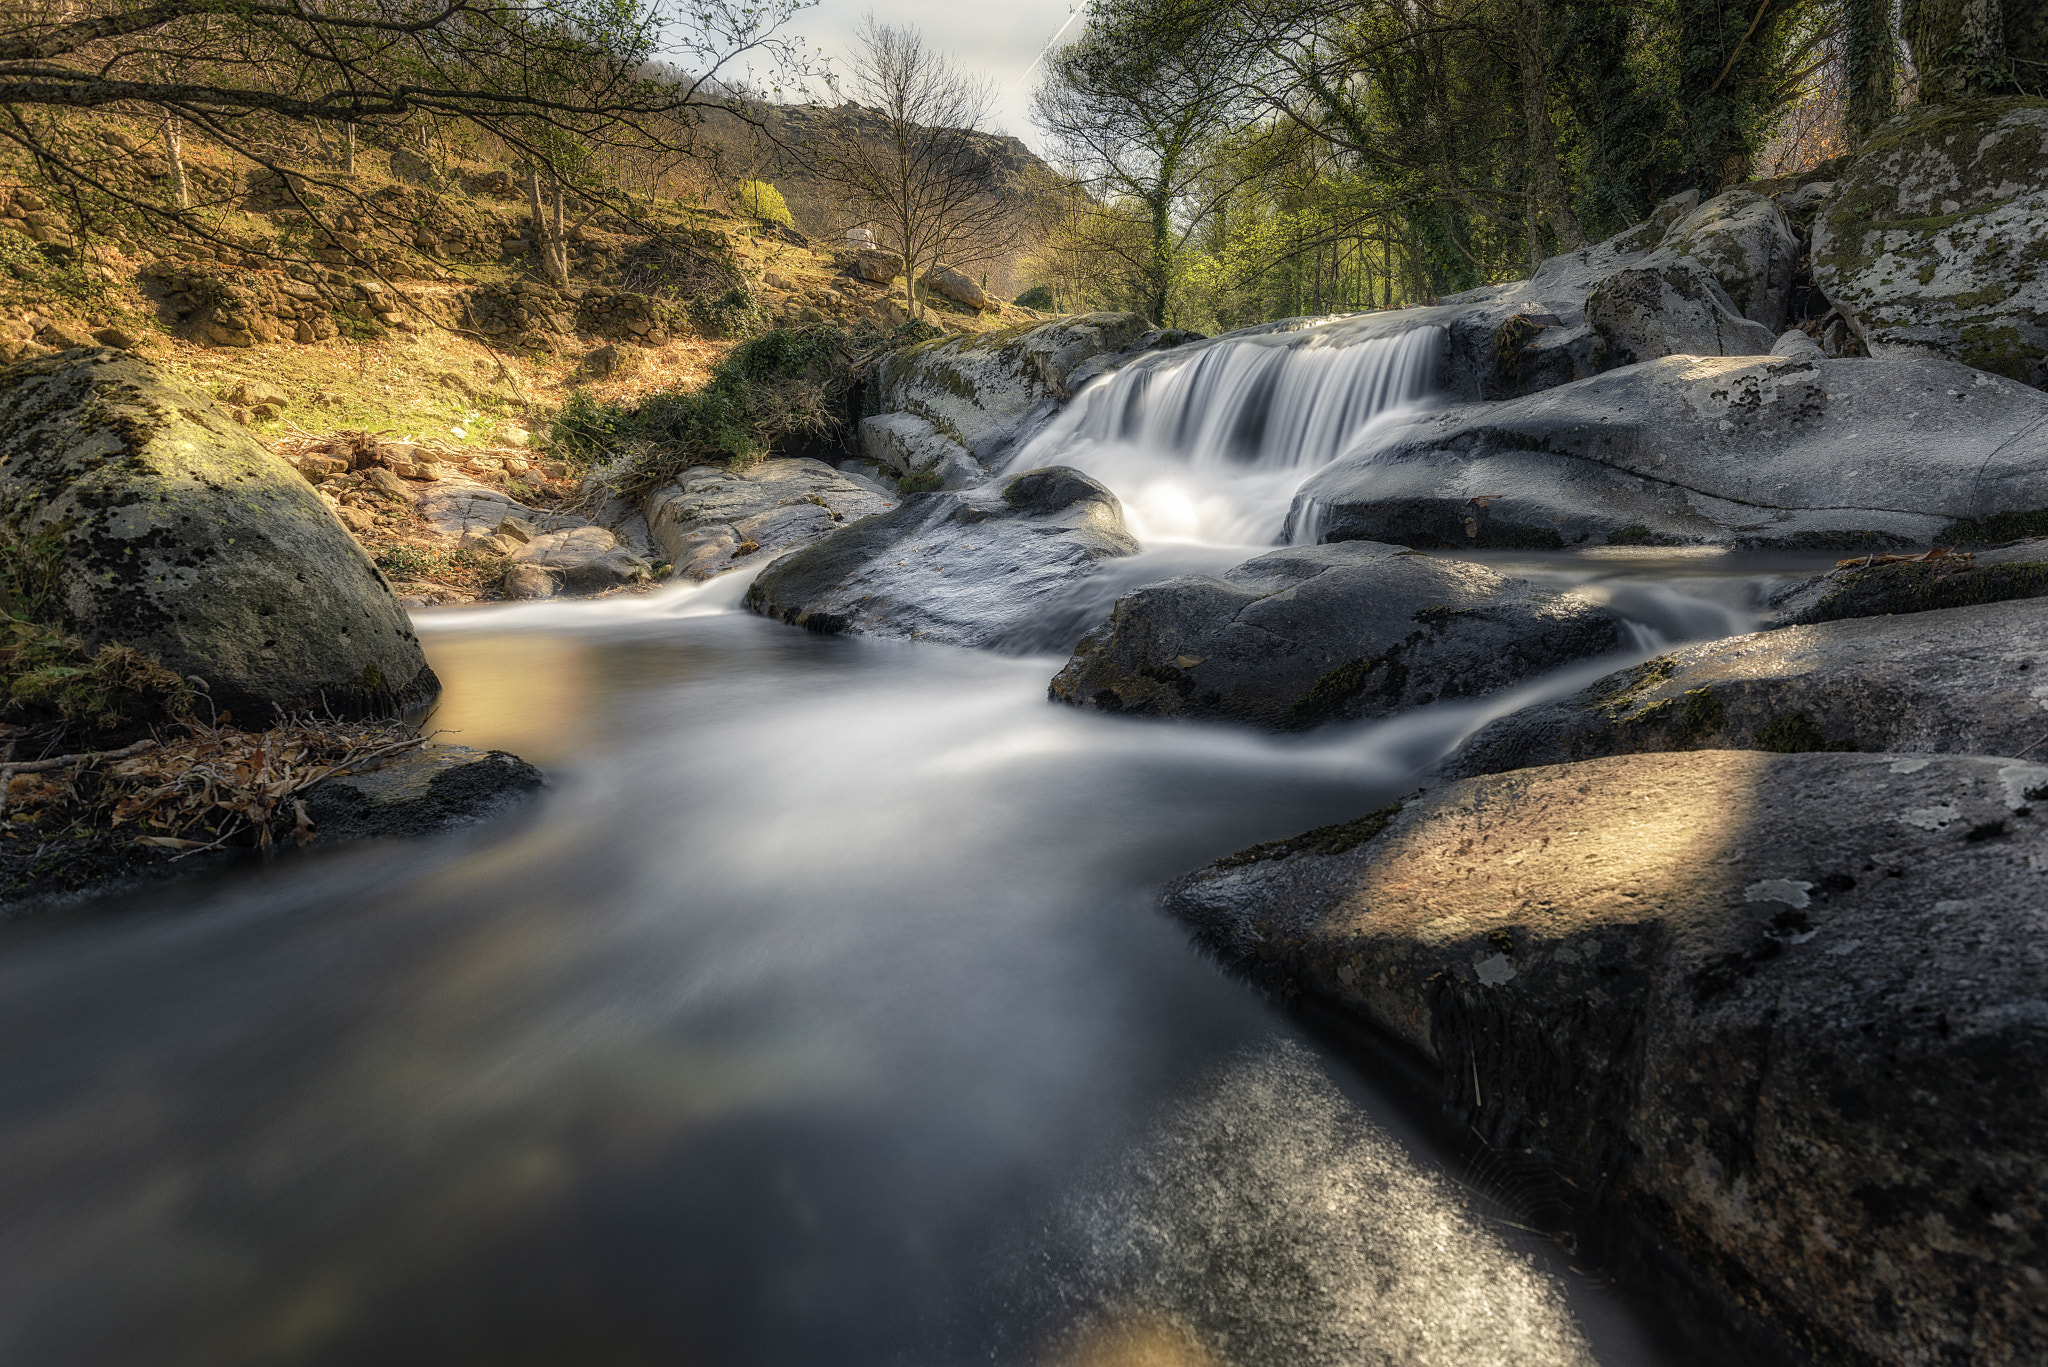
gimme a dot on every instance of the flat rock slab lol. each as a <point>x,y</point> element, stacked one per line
<point>1704,450</point>
<point>1786,1009</point>
<point>582,560</point>
<point>1970,681</point>
<point>1328,633</point>
<point>456,510</point>
<point>168,529</point>
<point>714,520</point>
<point>963,569</point>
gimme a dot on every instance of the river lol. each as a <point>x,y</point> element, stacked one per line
<point>819,1012</point>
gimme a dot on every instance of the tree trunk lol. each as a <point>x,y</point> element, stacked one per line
<point>1872,64</point>
<point>558,255</point>
<point>348,149</point>
<point>174,149</point>
<point>1546,178</point>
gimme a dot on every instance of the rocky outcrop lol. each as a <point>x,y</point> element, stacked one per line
<point>955,568</point>
<point>578,560</point>
<point>1935,238</point>
<point>1918,585</point>
<point>955,285</point>
<point>1786,1010</point>
<point>1328,633</point>
<point>984,392</point>
<point>910,446</point>
<point>133,511</point>
<point>714,519</point>
<point>1971,681</point>
<point>1704,450</point>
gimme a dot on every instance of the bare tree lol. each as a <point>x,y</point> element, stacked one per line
<point>907,150</point>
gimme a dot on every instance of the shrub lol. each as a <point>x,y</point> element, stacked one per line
<point>765,202</point>
<point>1037,297</point>
<point>731,314</point>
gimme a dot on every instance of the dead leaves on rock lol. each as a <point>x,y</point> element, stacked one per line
<point>214,786</point>
<point>1956,559</point>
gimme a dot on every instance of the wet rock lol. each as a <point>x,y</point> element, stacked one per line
<point>984,391</point>
<point>1328,633</point>
<point>1784,1009</point>
<point>581,560</point>
<point>167,529</point>
<point>431,789</point>
<point>1968,681</point>
<point>1934,237</point>
<point>1704,450</point>
<point>713,519</point>
<point>951,568</point>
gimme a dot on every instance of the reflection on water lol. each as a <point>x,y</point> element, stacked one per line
<point>820,1013</point>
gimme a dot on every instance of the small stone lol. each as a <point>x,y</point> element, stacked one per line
<point>64,336</point>
<point>383,482</point>
<point>529,581</point>
<point>356,519</point>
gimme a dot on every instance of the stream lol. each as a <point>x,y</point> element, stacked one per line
<point>817,1013</point>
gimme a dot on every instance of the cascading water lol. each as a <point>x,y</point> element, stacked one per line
<point>1207,443</point>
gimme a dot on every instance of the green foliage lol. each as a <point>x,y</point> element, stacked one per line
<point>405,561</point>
<point>782,384</point>
<point>46,274</point>
<point>765,202</point>
<point>731,314</point>
<point>927,482</point>
<point>1038,297</point>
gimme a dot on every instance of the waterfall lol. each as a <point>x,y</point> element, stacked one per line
<point>1207,443</point>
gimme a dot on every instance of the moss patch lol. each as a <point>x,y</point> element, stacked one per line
<point>1341,838</point>
<point>1333,690</point>
<point>1995,530</point>
<point>1925,588</point>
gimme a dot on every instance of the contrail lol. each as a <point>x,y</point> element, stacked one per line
<point>1073,13</point>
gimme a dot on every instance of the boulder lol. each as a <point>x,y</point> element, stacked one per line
<point>955,568</point>
<point>1785,1010</point>
<point>161,525</point>
<point>614,361</point>
<point>1317,634</point>
<point>876,267</point>
<point>955,285</point>
<point>1708,279</point>
<point>1934,238</point>
<point>1970,681</point>
<point>414,169</point>
<point>582,560</point>
<point>1700,450</point>
<point>713,520</point>
<point>986,391</point>
<point>909,445</point>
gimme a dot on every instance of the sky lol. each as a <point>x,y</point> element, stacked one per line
<point>996,38</point>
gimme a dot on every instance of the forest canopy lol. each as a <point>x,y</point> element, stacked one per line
<point>1231,164</point>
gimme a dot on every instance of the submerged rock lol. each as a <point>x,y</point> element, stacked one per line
<point>953,568</point>
<point>1690,450</point>
<point>1784,1009</point>
<point>1968,681</point>
<point>421,792</point>
<point>157,523</point>
<point>1934,239</point>
<point>1328,633</point>
<point>713,520</point>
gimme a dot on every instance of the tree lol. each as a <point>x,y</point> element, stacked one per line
<point>558,83</point>
<point>1132,106</point>
<point>907,151</point>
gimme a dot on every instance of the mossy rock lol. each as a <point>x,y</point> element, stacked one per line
<point>143,516</point>
<point>1936,238</point>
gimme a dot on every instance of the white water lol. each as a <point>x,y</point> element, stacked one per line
<point>1207,443</point>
